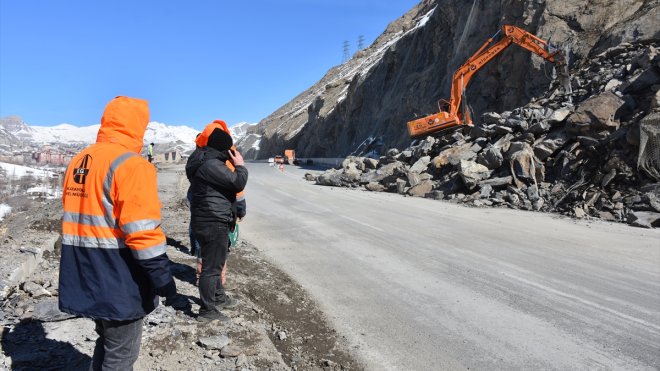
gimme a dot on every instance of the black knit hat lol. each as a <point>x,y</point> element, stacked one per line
<point>220,140</point>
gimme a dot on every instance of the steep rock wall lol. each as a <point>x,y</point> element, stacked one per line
<point>409,68</point>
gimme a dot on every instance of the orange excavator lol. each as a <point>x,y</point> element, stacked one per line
<point>450,115</point>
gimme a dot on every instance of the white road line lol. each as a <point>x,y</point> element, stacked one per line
<point>362,223</point>
<point>586,302</point>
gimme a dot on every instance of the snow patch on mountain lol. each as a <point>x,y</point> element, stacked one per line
<point>240,130</point>
<point>246,139</point>
<point>63,133</point>
<point>161,133</point>
<point>19,171</point>
<point>166,137</point>
<point>4,210</point>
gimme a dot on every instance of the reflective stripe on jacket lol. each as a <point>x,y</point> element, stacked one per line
<point>112,243</point>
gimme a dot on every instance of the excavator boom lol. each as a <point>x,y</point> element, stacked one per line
<point>452,115</point>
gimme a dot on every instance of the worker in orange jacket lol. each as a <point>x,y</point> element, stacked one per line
<point>113,265</point>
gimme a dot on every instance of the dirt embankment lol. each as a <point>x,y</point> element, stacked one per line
<point>275,326</point>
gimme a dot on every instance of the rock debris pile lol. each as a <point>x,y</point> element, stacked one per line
<point>578,154</point>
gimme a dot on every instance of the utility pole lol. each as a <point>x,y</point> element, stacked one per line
<point>360,42</point>
<point>347,51</point>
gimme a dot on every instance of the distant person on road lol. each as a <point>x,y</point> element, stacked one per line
<point>214,187</point>
<point>150,152</point>
<point>113,264</point>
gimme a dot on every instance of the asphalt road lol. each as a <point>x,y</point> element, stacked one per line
<point>417,284</point>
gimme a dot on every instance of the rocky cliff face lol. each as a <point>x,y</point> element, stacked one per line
<point>597,158</point>
<point>11,128</point>
<point>409,67</point>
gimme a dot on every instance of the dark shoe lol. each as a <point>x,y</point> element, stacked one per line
<point>229,303</point>
<point>212,315</point>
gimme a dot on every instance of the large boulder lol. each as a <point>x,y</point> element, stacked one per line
<point>421,164</point>
<point>370,163</point>
<point>491,157</point>
<point>546,147</point>
<point>353,162</point>
<point>374,187</point>
<point>454,155</point>
<point>523,164</point>
<point>352,174</point>
<point>472,173</point>
<point>422,189</point>
<point>330,177</point>
<point>384,173</point>
<point>559,115</point>
<point>595,114</point>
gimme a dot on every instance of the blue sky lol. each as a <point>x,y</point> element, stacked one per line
<point>195,61</point>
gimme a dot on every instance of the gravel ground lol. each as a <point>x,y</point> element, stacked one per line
<point>276,325</point>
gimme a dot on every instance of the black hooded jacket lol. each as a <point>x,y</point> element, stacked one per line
<point>213,185</point>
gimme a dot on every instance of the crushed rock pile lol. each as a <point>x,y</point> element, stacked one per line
<point>577,154</point>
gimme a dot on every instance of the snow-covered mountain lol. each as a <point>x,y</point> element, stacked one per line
<point>156,132</point>
<point>246,139</point>
<point>15,132</point>
<point>162,133</point>
<point>63,133</point>
<point>239,130</point>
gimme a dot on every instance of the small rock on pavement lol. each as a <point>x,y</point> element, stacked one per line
<point>230,351</point>
<point>328,363</point>
<point>161,314</point>
<point>35,290</point>
<point>644,219</point>
<point>48,311</point>
<point>310,177</point>
<point>214,342</point>
<point>241,360</point>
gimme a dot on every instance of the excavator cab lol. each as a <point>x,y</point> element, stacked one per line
<point>432,123</point>
<point>455,112</point>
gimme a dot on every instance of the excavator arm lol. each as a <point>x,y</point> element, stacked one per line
<point>453,116</point>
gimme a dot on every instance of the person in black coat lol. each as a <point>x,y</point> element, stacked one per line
<point>213,188</point>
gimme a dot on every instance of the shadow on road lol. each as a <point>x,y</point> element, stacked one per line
<point>29,349</point>
<point>183,272</point>
<point>178,245</point>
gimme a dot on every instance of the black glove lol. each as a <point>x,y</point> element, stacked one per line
<point>177,301</point>
<point>172,299</point>
<point>169,290</point>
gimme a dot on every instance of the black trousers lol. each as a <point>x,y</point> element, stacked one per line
<point>213,239</point>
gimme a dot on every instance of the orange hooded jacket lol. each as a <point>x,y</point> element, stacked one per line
<point>112,243</point>
<point>203,139</point>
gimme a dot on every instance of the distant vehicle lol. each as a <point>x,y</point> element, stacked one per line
<point>279,159</point>
<point>290,156</point>
<point>271,160</point>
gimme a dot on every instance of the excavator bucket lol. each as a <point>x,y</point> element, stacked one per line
<point>433,123</point>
